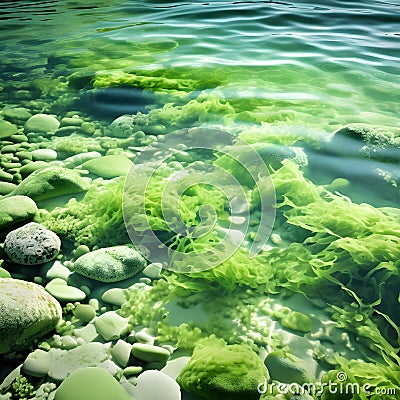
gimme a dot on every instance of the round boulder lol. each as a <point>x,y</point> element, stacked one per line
<point>32,244</point>
<point>27,312</point>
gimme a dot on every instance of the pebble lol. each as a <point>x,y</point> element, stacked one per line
<point>7,129</point>
<point>6,188</point>
<point>84,312</point>
<point>44,155</point>
<point>132,370</point>
<point>37,364</point>
<point>62,292</point>
<point>114,296</point>
<point>41,123</point>
<point>91,383</point>
<point>153,270</point>
<point>149,353</point>
<point>32,167</point>
<point>16,114</point>
<point>27,312</point>
<point>111,264</point>
<point>88,333</point>
<point>155,385</point>
<point>109,166</point>
<point>57,270</point>
<point>16,209</point>
<point>121,352</point>
<point>32,244</point>
<point>111,325</point>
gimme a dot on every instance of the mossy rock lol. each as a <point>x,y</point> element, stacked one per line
<point>16,209</point>
<point>27,312</point>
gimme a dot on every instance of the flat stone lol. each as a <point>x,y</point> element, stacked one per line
<point>84,312</point>
<point>44,155</point>
<point>16,114</point>
<point>32,167</point>
<point>7,129</point>
<point>153,270</point>
<point>6,188</point>
<point>62,292</point>
<point>111,325</point>
<point>91,383</point>
<point>149,353</point>
<point>41,123</point>
<point>58,270</point>
<point>27,312</point>
<point>109,166</point>
<point>121,352</point>
<point>16,209</point>
<point>114,296</point>
<point>110,264</point>
<point>32,244</point>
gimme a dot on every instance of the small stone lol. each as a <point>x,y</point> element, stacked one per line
<point>32,167</point>
<point>121,352</point>
<point>297,321</point>
<point>84,312</point>
<point>37,364</point>
<point>133,370</point>
<point>91,383</point>
<point>144,337</point>
<point>155,385</point>
<point>6,188</point>
<point>109,166</point>
<point>79,159</point>
<point>16,209</point>
<point>32,244</point>
<point>110,325</point>
<point>5,176</point>
<point>88,333</point>
<point>16,114</point>
<point>4,273</point>
<point>44,155</point>
<point>149,353</point>
<point>7,129</point>
<point>19,138</point>
<point>68,342</point>
<point>153,270</point>
<point>57,270</point>
<point>81,250</point>
<point>71,121</point>
<point>41,123</point>
<point>62,292</point>
<point>111,264</point>
<point>114,296</point>
<point>27,312</point>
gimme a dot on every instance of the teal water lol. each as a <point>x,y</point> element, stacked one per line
<point>286,73</point>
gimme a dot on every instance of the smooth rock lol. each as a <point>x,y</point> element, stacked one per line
<point>16,114</point>
<point>32,244</point>
<point>114,296</point>
<point>111,325</point>
<point>155,385</point>
<point>153,270</point>
<point>32,167</point>
<point>4,273</point>
<point>79,159</point>
<point>91,383</point>
<point>149,353</point>
<point>58,270</point>
<point>121,352</point>
<point>123,126</point>
<point>51,182</point>
<point>6,188</point>
<point>16,209</point>
<point>110,264</point>
<point>109,166</point>
<point>41,123</point>
<point>37,363</point>
<point>7,129</point>
<point>44,155</point>
<point>27,312</point>
<point>62,292</point>
<point>84,312</point>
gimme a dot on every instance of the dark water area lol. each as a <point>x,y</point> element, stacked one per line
<point>274,123</point>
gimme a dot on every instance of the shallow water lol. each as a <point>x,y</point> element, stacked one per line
<point>293,72</point>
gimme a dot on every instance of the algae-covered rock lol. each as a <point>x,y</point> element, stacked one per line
<point>122,126</point>
<point>109,166</point>
<point>51,182</point>
<point>7,129</point>
<point>16,209</point>
<point>6,188</point>
<point>32,244</point>
<point>282,369</point>
<point>27,312</point>
<point>217,371</point>
<point>27,169</point>
<point>110,264</point>
<point>44,155</point>
<point>41,123</point>
<point>91,383</point>
<point>377,142</point>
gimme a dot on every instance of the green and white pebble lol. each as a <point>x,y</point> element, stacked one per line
<point>153,270</point>
<point>37,363</point>
<point>62,292</point>
<point>41,123</point>
<point>109,166</point>
<point>121,352</point>
<point>16,209</point>
<point>144,337</point>
<point>57,270</point>
<point>111,264</point>
<point>155,385</point>
<point>88,333</point>
<point>6,188</point>
<point>32,167</point>
<point>111,325</point>
<point>84,312</point>
<point>92,383</point>
<point>149,353</point>
<point>4,273</point>
<point>27,312</point>
<point>44,155</point>
<point>80,158</point>
<point>132,370</point>
<point>32,244</point>
<point>115,296</point>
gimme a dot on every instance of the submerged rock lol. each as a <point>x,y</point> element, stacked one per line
<point>32,244</point>
<point>27,312</point>
<point>111,264</point>
<point>16,209</point>
<point>91,383</point>
<point>109,166</point>
<point>155,385</point>
<point>41,123</point>
<point>7,129</point>
<point>51,182</point>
